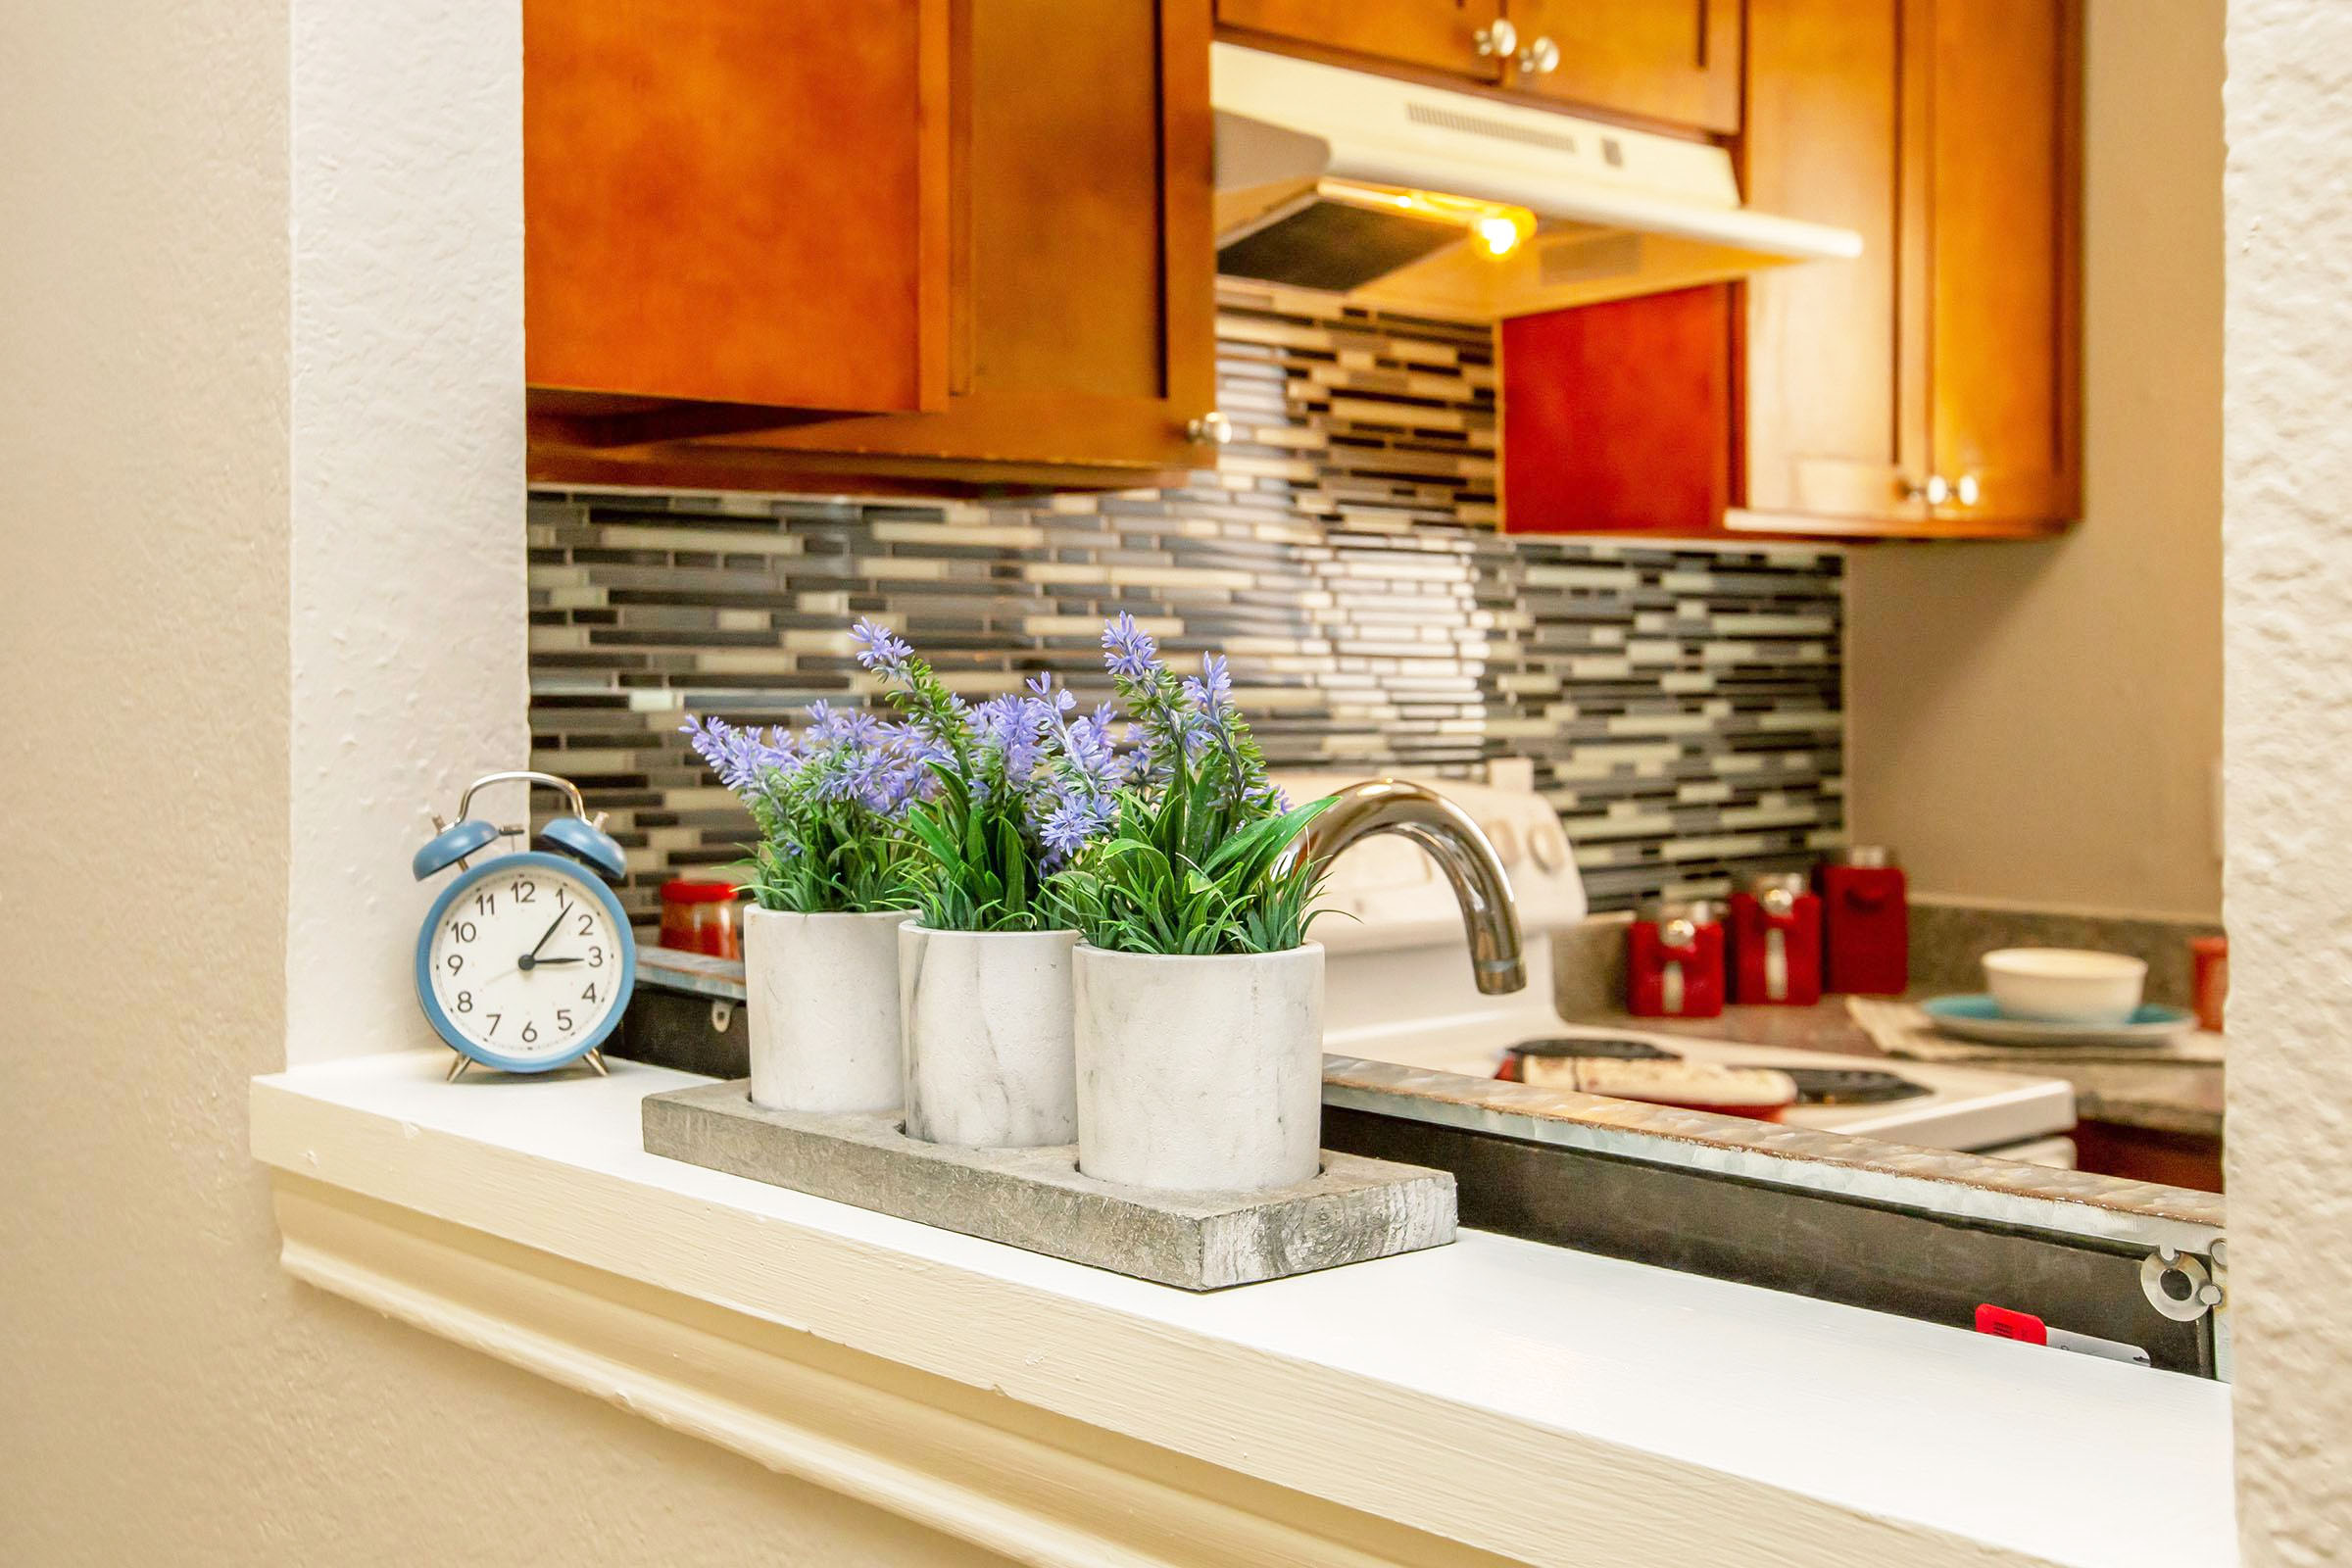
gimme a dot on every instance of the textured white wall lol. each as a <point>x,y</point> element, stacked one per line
<point>2289,744</point>
<point>167,1396</point>
<point>409,660</point>
<point>2039,723</point>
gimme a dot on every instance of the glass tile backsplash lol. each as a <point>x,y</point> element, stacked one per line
<point>1680,707</point>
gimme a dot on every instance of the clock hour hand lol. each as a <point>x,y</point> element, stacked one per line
<point>541,964</point>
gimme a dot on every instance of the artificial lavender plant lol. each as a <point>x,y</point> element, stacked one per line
<point>1191,865</point>
<point>831,805</point>
<point>1020,786</point>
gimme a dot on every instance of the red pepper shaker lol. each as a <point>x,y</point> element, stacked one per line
<point>1775,941</point>
<point>1866,922</point>
<point>1674,961</point>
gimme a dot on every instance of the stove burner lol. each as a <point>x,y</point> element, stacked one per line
<point>1850,1086</point>
<point>1593,1047</point>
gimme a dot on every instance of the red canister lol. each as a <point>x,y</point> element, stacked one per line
<point>699,916</point>
<point>1866,922</point>
<point>1775,941</point>
<point>1674,961</point>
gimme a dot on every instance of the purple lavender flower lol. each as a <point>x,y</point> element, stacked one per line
<point>881,650</point>
<point>1060,698</point>
<point>1087,749</point>
<point>742,758</point>
<point>1074,819</point>
<point>1211,691</point>
<point>1127,648</point>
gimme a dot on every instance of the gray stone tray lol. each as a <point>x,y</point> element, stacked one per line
<point>1357,1208</point>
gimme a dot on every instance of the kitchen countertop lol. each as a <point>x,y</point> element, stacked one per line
<point>2161,1096</point>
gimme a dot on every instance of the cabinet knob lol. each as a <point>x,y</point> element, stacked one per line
<point>1497,38</point>
<point>1935,492</point>
<point>1540,59</point>
<point>1966,491</point>
<point>1212,428</point>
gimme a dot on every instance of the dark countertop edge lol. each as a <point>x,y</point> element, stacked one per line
<point>1977,1187</point>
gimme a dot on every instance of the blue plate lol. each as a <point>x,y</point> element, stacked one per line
<point>1979,1018</point>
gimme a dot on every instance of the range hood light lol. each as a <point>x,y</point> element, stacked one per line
<point>1501,235</point>
<point>1498,227</point>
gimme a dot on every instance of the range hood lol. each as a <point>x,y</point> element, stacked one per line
<point>1449,204</point>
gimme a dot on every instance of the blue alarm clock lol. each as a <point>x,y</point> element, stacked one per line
<point>525,960</point>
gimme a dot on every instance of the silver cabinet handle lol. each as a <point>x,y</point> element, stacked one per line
<point>1966,491</point>
<point>1212,428</point>
<point>1935,492</point>
<point>1541,57</point>
<point>1496,40</point>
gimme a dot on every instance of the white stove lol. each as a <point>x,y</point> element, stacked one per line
<point>1398,987</point>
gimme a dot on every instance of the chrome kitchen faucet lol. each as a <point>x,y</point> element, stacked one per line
<point>1489,915</point>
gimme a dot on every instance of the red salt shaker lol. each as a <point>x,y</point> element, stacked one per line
<point>1775,941</point>
<point>1866,922</point>
<point>1674,961</point>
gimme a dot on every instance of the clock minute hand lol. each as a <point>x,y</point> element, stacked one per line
<point>561,910</point>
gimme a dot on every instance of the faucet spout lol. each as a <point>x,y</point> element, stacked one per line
<point>1489,913</point>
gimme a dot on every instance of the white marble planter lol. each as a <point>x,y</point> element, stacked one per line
<point>990,1062</point>
<point>1199,1073</point>
<point>823,996</point>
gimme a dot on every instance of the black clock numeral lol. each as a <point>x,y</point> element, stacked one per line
<point>530,1032</point>
<point>485,905</point>
<point>526,890</point>
<point>564,1020</point>
<point>464,1002</point>
<point>493,1017</point>
<point>596,958</point>
<point>587,925</point>
<point>589,994</point>
<point>455,961</point>
<point>462,930</point>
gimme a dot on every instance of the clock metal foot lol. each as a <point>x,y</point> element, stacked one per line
<point>457,1068</point>
<point>596,1058</point>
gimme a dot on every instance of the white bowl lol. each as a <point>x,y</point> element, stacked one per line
<point>2065,985</point>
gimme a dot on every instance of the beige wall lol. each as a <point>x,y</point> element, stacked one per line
<point>2289,885</point>
<point>168,1396</point>
<point>2040,723</point>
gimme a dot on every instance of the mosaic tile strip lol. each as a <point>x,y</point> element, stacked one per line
<point>1680,707</point>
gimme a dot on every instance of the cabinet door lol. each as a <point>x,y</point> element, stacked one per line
<point>1616,418</point>
<point>735,202</point>
<point>1675,61</point>
<point>1081,275</point>
<point>1834,389</point>
<point>2005,194</point>
<point>1436,35</point>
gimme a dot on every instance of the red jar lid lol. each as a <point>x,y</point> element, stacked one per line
<point>684,890</point>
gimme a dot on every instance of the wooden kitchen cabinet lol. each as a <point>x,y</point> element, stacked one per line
<point>1454,36</point>
<point>1672,61</point>
<point>910,244</point>
<point>671,253</point>
<point>1929,388</point>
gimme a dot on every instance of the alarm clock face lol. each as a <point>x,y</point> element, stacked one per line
<point>527,961</point>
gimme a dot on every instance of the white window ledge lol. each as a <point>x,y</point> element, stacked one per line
<point>1524,1401</point>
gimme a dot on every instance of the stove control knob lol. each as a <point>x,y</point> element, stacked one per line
<point>1550,846</point>
<point>1505,838</point>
